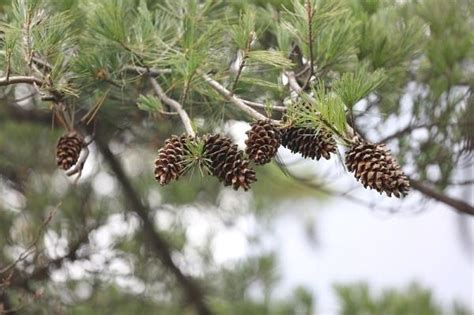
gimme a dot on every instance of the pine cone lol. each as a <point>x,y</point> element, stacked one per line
<point>262,142</point>
<point>227,163</point>
<point>374,166</point>
<point>169,164</point>
<point>311,143</point>
<point>68,150</point>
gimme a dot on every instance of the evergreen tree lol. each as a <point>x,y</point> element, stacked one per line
<point>117,110</point>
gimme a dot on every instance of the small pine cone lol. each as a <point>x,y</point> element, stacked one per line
<point>68,150</point>
<point>263,141</point>
<point>374,166</point>
<point>227,163</point>
<point>311,143</point>
<point>169,164</point>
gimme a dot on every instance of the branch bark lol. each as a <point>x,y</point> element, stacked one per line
<point>161,248</point>
<point>175,105</point>
<point>20,79</point>
<point>228,95</point>
<point>5,304</point>
<point>459,205</point>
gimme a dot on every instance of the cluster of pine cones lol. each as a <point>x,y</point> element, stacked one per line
<point>372,164</point>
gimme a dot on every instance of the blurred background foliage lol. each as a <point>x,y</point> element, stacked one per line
<point>93,255</point>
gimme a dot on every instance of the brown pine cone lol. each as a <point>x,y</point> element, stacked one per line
<point>375,167</point>
<point>311,143</point>
<point>227,163</point>
<point>263,141</point>
<point>68,150</point>
<point>169,164</point>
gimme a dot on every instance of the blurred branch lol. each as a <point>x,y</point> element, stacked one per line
<point>143,70</point>
<point>459,205</point>
<point>175,105</point>
<point>5,304</point>
<point>42,273</point>
<point>32,246</point>
<point>20,79</point>
<point>156,241</point>
<point>263,106</point>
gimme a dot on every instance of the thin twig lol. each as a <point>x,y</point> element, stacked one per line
<point>32,246</point>
<point>234,99</point>
<point>244,58</point>
<point>309,9</point>
<point>276,108</point>
<point>155,240</point>
<point>175,105</point>
<point>143,70</point>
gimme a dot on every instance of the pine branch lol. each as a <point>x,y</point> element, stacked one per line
<point>459,205</point>
<point>310,11</point>
<point>4,81</point>
<point>276,108</point>
<point>243,61</point>
<point>228,95</point>
<point>5,304</point>
<point>155,240</point>
<point>175,105</point>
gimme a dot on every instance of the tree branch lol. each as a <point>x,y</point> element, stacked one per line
<point>459,205</point>
<point>310,12</point>
<point>175,105</point>
<point>276,108</point>
<point>5,304</point>
<point>161,248</point>
<point>20,79</point>
<point>228,95</point>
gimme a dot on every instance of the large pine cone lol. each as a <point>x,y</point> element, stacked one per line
<point>169,164</point>
<point>311,143</point>
<point>263,141</point>
<point>374,166</point>
<point>227,163</point>
<point>68,150</point>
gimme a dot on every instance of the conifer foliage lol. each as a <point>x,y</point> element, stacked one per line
<point>325,79</point>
